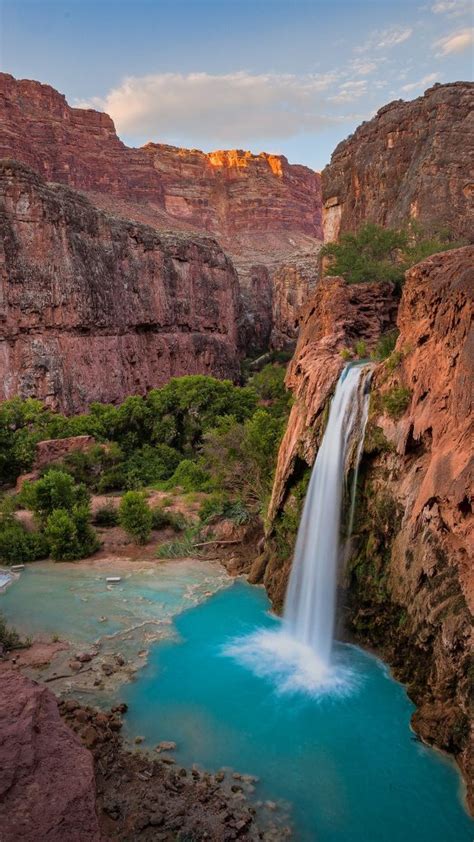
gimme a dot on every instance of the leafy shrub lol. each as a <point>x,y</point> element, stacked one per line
<point>382,254</point>
<point>88,541</point>
<point>385,345</point>
<point>161,519</point>
<point>70,535</point>
<point>151,464</point>
<point>18,546</point>
<point>113,479</point>
<point>135,516</point>
<point>190,477</point>
<point>396,401</point>
<point>361,348</point>
<point>55,490</point>
<point>106,516</point>
<point>346,354</point>
<point>183,547</point>
<point>269,384</point>
<point>213,506</point>
<point>219,505</point>
<point>394,360</point>
<point>9,638</point>
<point>61,534</point>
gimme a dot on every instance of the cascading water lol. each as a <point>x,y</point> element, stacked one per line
<point>311,596</point>
<point>299,653</point>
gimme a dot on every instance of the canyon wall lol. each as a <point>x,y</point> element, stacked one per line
<point>409,587</point>
<point>412,161</point>
<point>96,308</point>
<point>264,211</point>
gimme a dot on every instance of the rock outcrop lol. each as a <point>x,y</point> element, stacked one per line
<point>409,587</point>
<point>335,318</point>
<point>412,161</point>
<point>47,787</point>
<point>263,210</point>
<point>411,580</point>
<point>98,308</point>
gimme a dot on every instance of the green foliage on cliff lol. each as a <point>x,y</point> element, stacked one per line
<point>396,401</point>
<point>375,253</point>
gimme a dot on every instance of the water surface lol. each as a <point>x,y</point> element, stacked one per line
<point>348,763</point>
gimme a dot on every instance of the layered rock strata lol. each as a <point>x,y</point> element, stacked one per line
<point>264,211</point>
<point>412,161</point>
<point>97,308</point>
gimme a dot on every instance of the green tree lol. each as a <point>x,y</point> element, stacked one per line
<point>135,516</point>
<point>375,253</point>
<point>62,537</point>
<point>55,490</point>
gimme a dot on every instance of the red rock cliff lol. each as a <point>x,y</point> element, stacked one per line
<point>97,308</point>
<point>413,160</point>
<point>410,581</point>
<point>264,210</point>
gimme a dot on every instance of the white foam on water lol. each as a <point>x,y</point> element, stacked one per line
<point>293,667</point>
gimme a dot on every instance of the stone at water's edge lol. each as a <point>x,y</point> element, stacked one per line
<point>47,788</point>
<point>413,160</point>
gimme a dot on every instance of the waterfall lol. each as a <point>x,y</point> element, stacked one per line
<point>298,655</point>
<point>311,597</point>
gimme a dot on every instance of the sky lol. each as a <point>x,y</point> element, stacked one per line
<point>292,77</point>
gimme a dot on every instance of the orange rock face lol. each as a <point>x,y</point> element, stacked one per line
<point>412,161</point>
<point>262,209</point>
<point>337,315</point>
<point>97,308</point>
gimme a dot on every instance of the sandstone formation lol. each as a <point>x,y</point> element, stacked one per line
<point>412,161</point>
<point>47,788</point>
<point>412,579</point>
<point>336,317</point>
<point>409,586</point>
<point>97,308</point>
<point>263,210</point>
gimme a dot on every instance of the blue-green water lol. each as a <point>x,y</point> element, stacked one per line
<point>348,764</point>
<point>346,760</point>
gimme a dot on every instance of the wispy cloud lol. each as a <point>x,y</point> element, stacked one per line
<point>456,42</point>
<point>361,67</point>
<point>385,39</point>
<point>451,8</point>
<point>349,91</point>
<point>226,108</point>
<point>420,84</point>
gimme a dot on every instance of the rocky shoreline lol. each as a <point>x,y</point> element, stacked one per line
<point>154,798</point>
<point>108,790</point>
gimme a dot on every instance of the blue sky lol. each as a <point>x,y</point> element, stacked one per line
<point>286,76</point>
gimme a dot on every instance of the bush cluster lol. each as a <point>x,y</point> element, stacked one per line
<point>62,513</point>
<point>375,253</point>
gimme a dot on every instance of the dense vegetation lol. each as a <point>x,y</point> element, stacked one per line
<point>383,254</point>
<point>196,433</point>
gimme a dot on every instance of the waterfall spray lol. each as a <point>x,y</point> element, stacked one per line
<point>299,654</point>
